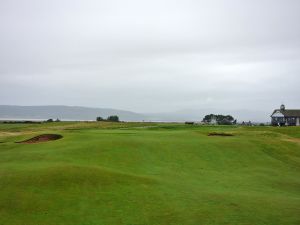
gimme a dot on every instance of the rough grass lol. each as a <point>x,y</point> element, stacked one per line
<point>134,173</point>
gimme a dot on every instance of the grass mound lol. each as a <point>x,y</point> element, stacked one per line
<point>42,138</point>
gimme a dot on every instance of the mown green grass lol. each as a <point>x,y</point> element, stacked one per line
<point>148,173</point>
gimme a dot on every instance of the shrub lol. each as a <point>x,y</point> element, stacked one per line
<point>99,118</point>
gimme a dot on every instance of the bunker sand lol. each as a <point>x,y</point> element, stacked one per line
<point>42,138</point>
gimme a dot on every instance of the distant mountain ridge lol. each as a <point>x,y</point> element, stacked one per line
<point>64,113</point>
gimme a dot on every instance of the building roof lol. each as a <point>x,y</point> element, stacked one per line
<point>289,112</point>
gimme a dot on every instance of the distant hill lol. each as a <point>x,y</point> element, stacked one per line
<point>87,113</point>
<point>64,113</point>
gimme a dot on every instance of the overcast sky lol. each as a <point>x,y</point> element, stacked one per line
<point>151,56</point>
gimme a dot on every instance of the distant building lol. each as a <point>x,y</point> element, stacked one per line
<point>285,117</point>
<point>246,123</point>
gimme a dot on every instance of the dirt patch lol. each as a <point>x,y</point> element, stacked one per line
<point>294,140</point>
<point>9,133</point>
<point>220,134</point>
<point>42,138</point>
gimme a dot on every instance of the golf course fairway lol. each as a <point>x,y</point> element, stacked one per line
<point>102,173</point>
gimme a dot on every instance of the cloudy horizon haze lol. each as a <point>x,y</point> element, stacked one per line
<point>151,56</point>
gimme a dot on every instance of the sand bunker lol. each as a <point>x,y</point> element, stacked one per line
<point>42,138</point>
<point>220,134</point>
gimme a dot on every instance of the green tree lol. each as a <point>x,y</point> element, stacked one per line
<point>113,118</point>
<point>221,119</point>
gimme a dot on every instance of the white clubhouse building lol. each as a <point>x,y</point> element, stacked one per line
<point>286,117</point>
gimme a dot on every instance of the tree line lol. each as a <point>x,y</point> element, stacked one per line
<point>219,119</point>
<point>113,118</point>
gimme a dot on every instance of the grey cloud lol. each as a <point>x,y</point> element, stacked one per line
<point>151,56</point>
